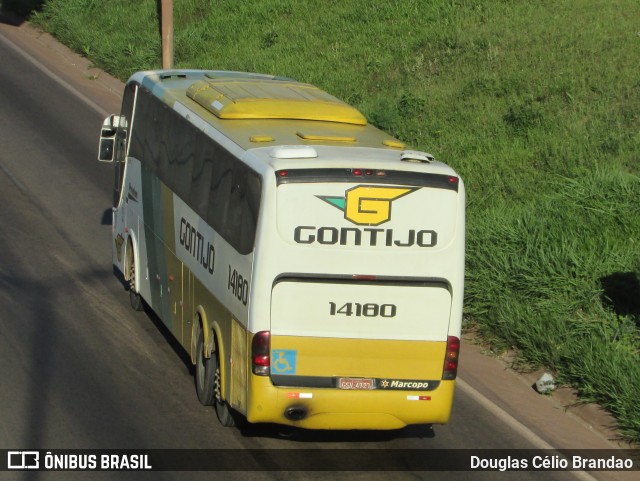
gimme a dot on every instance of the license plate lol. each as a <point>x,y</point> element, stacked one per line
<point>355,383</point>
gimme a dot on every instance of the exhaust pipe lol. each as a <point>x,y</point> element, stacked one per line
<point>295,413</point>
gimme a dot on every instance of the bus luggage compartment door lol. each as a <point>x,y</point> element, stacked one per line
<point>332,329</point>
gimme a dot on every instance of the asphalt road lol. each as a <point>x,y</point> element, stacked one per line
<point>78,368</point>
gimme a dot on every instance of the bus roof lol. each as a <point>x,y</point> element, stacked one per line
<point>244,99</point>
<point>255,110</point>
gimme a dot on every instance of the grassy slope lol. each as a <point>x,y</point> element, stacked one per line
<point>535,103</point>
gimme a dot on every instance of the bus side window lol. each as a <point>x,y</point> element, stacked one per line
<point>121,138</point>
<point>219,194</point>
<point>120,158</point>
<point>250,208</point>
<point>201,175</point>
<point>236,199</point>
<point>179,155</point>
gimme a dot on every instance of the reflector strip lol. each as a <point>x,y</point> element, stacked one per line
<point>299,395</point>
<point>418,398</point>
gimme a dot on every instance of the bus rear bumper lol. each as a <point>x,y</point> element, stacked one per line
<point>311,408</point>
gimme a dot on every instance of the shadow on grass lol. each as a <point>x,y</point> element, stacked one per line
<point>15,12</point>
<point>621,293</point>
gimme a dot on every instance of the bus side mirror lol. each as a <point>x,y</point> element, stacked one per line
<point>105,153</point>
<point>108,138</point>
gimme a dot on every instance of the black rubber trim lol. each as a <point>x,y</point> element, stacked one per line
<point>362,280</point>
<point>416,179</point>
<point>381,384</point>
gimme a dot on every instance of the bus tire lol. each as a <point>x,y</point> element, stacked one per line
<point>136,301</point>
<point>204,373</point>
<point>223,411</point>
<point>134,297</point>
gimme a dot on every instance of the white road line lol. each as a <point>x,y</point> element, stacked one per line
<point>21,187</point>
<point>514,424</point>
<point>53,76</point>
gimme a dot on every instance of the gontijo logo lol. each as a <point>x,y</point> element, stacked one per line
<point>367,204</point>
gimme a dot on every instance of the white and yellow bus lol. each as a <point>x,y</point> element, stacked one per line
<point>310,264</point>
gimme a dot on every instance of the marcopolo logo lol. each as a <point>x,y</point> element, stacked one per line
<point>405,384</point>
<point>367,204</point>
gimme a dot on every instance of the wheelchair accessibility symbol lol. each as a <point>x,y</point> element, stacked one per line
<point>283,361</point>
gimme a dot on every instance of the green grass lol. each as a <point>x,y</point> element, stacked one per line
<point>536,104</point>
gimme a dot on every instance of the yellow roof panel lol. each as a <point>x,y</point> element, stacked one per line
<point>271,99</point>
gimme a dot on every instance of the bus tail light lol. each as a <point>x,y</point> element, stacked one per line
<point>450,370</point>
<point>260,357</point>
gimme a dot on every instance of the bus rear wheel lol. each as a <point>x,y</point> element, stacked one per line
<point>223,411</point>
<point>134,297</point>
<point>208,385</point>
<point>205,373</point>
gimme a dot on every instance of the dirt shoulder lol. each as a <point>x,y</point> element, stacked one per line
<point>561,416</point>
<point>101,88</point>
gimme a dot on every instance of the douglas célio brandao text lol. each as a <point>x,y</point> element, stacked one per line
<point>550,462</point>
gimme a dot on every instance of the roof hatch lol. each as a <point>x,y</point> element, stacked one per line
<point>271,99</point>
<point>293,152</point>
